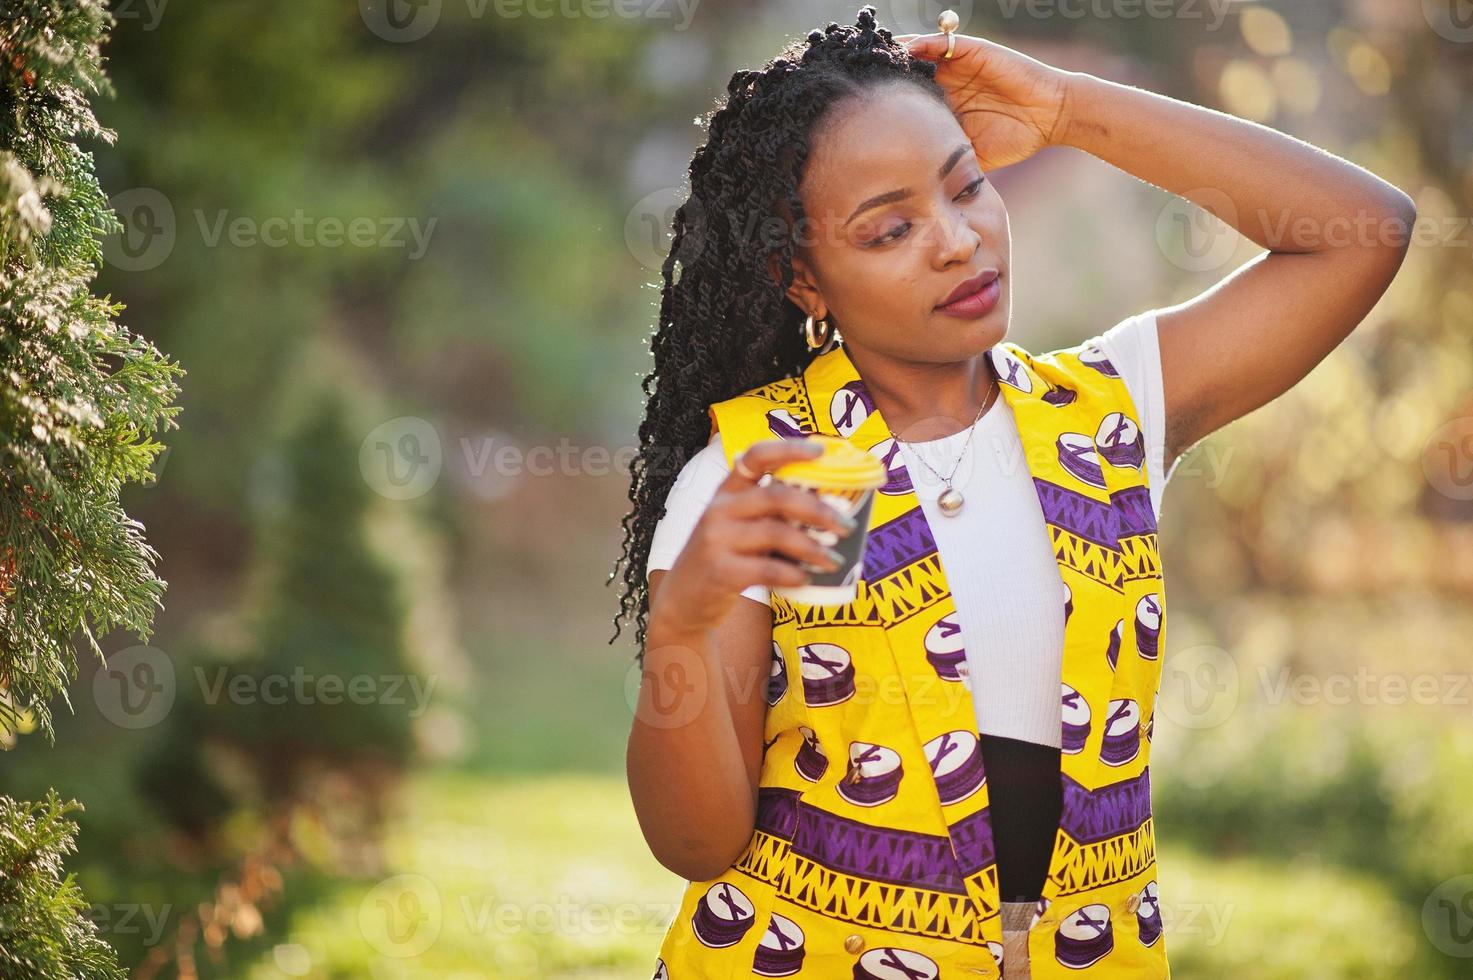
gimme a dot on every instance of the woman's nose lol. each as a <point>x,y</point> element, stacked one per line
<point>958,240</point>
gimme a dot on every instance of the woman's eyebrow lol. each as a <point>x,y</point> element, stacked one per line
<point>904,192</point>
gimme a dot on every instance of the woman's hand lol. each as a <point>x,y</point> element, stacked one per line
<point>746,536</point>
<point>1009,105</point>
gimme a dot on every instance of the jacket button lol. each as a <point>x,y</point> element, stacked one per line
<point>1132,903</point>
<point>854,943</point>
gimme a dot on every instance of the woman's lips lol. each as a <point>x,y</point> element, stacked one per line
<point>976,304</point>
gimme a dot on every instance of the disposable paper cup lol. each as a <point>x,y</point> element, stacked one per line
<point>844,477</point>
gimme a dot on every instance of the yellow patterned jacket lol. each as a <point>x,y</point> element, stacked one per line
<point>872,855</point>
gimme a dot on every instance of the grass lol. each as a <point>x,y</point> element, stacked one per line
<point>549,877</point>
<point>495,877</point>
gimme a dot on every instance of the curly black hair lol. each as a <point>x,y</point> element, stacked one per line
<point>725,324</point>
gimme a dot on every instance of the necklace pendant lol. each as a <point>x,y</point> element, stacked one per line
<point>950,501</point>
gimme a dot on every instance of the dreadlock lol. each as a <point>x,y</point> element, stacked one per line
<point>725,325</point>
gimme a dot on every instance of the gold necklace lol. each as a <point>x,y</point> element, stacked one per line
<point>950,500</point>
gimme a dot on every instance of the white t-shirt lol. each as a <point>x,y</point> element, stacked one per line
<point>1012,613</point>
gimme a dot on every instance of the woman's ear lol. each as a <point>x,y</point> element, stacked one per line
<point>803,292</point>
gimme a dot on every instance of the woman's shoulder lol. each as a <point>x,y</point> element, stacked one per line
<point>686,500</point>
<point>712,455</point>
<point>700,474</point>
<point>1130,347</point>
<point>1131,333</point>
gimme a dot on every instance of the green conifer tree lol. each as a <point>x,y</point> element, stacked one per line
<point>81,398</point>
<point>44,928</point>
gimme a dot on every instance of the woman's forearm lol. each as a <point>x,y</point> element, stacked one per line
<point>686,773</point>
<point>1284,194</point>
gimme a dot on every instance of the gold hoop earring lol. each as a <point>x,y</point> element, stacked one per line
<point>826,343</point>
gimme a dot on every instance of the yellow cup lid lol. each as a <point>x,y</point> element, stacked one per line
<point>842,465</point>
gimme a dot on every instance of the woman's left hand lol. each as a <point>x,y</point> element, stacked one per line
<point>1009,105</point>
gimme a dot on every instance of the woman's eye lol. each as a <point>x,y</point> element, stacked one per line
<point>899,231</point>
<point>973,187</point>
<point>891,235</point>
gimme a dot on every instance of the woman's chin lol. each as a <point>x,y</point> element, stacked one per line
<point>984,332</point>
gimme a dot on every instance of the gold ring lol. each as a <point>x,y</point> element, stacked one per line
<point>950,45</point>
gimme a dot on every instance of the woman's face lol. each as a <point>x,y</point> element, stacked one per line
<point>898,215</point>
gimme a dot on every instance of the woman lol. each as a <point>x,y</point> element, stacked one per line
<point>896,787</point>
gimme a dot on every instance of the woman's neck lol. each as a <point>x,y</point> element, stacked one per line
<point>922,402</point>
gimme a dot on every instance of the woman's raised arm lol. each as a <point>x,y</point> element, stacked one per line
<point>1336,235</point>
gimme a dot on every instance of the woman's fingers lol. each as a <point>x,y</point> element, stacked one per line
<point>764,456</point>
<point>767,570</point>
<point>771,534</point>
<point>932,47</point>
<point>802,506</point>
<point>928,46</point>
